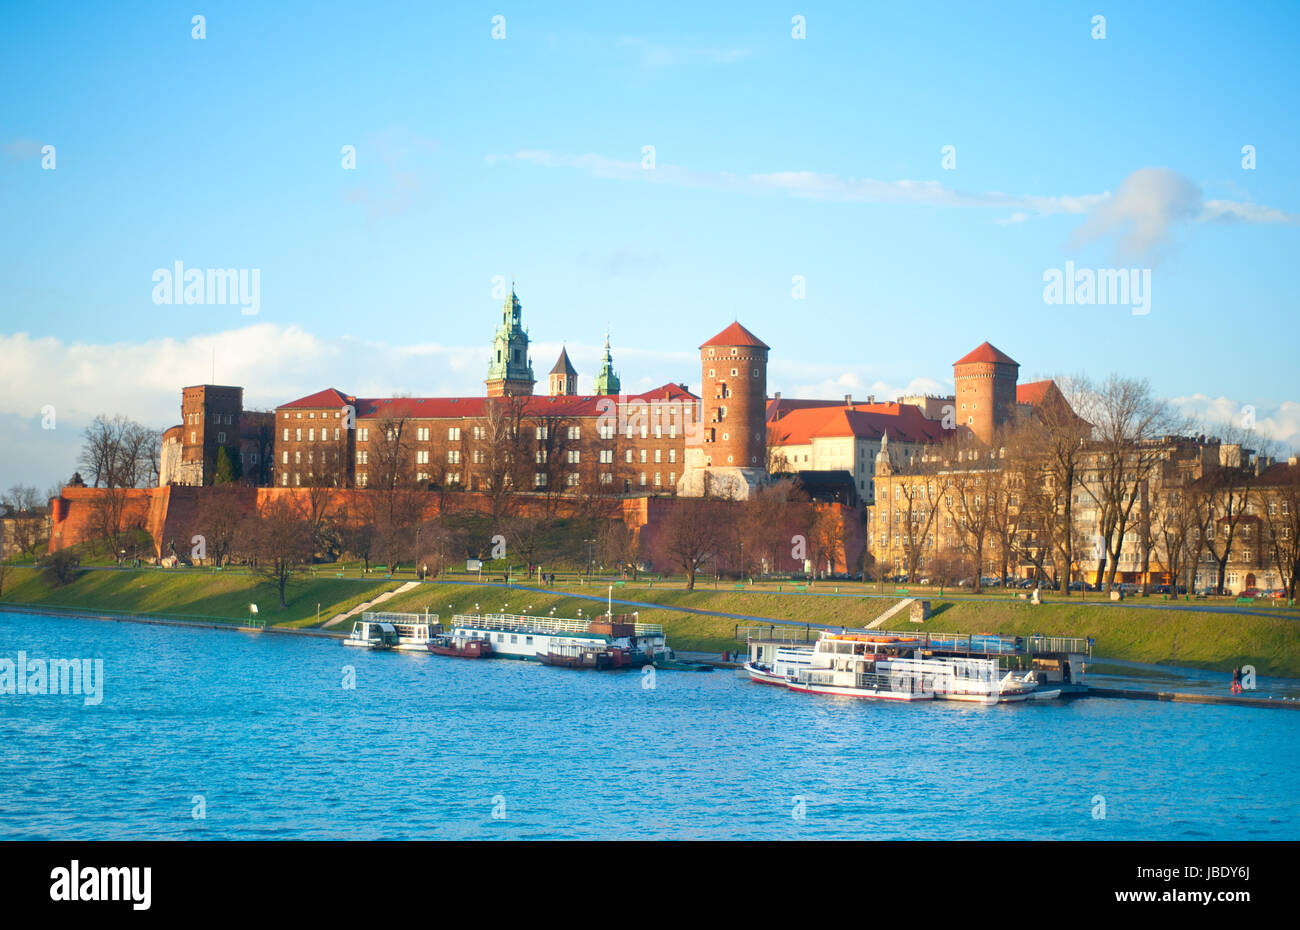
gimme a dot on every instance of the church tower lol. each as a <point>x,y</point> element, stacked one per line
<point>564,377</point>
<point>510,370</point>
<point>607,382</point>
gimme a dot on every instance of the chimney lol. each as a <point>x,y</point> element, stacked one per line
<point>1293,461</point>
<point>871,398</point>
<point>848,400</point>
<point>777,397</point>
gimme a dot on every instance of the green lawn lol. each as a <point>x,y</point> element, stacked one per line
<point>1121,631</point>
<point>195,593</point>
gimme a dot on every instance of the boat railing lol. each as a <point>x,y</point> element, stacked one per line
<point>899,682</point>
<point>770,633</point>
<point>519,623</point>
<point>379,616</point>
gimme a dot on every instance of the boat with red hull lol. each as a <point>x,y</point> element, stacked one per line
<point>598,658</point>
<point>460,648</point>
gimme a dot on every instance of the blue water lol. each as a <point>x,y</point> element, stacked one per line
<point>261,729</point>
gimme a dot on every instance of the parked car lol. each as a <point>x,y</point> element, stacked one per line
<point>1250,592</point>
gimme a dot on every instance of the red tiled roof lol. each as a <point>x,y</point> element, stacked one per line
<point>864,421</point>
<point>778,407</point>
<point>1033,392</point>
<point>987,352</point>
<point>736,335</point>
<point>452,407</point>
<point>330,397</point>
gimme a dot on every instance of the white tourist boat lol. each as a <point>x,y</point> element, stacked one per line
<point>777,663</point>
<point>874,666</point>
<point>517,636</point>
<point>372,634</point>
<point>415,632</point>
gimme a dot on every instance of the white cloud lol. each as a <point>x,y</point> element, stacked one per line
<point>656,55</point>
<point>1142,214</point>
<point>1279,423</point>
<point>811,185</point>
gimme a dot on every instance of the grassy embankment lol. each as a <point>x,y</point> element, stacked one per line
<point>1121,631</point>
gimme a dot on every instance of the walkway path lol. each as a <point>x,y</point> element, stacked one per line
<point>367,605</point>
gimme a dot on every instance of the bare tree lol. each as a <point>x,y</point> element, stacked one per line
<point>1129,423</point>
<point>974,484</point>
<point>1229,492</point>
<point>219,521</point>
<point>1282,524</point>
<point>277,543</point>
<point>691,535</point>
<point>27,517</point>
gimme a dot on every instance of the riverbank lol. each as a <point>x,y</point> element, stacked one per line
<point>703,620</point>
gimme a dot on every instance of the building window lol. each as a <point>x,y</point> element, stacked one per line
<point>606,431</point>
<point>539,479</point>
<point>422,457</point>
<point>453,433</point>
<point>575,432</point>
<point>297,434</point>
<point>422,434</point>
<point>221,439</point>
<point>286,432</point>
<point>363,434</point>
<point>453,456</point>
<point>574,456</point>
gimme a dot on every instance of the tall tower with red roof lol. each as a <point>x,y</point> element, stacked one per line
<point>727,454</point>
<point>986,390</point>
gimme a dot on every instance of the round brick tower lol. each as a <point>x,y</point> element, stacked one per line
<point>985,380</point>
<point>727,456</point>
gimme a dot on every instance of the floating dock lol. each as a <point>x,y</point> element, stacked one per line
<point>1137,694</point>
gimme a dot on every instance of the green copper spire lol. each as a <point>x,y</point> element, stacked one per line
<point>607,380</point>
<point>510,364</point>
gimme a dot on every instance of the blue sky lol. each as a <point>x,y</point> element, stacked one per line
<point>522,158</point>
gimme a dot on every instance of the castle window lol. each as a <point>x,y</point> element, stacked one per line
<point>755,372</point>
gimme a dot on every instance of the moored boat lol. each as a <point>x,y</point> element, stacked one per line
<point>414,631</point>
<point>775,663</point>
<point>582,654</point>
<point>516,636</point>
<point>371,634</point>
<point>460,647</point>
<point>895,668</point>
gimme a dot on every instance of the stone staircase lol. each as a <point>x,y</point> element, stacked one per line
<point>369,605</point>
<point>900,606</point>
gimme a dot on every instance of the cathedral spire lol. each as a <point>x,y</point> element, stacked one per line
<point>606,379</point>
<point>510,369</point>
